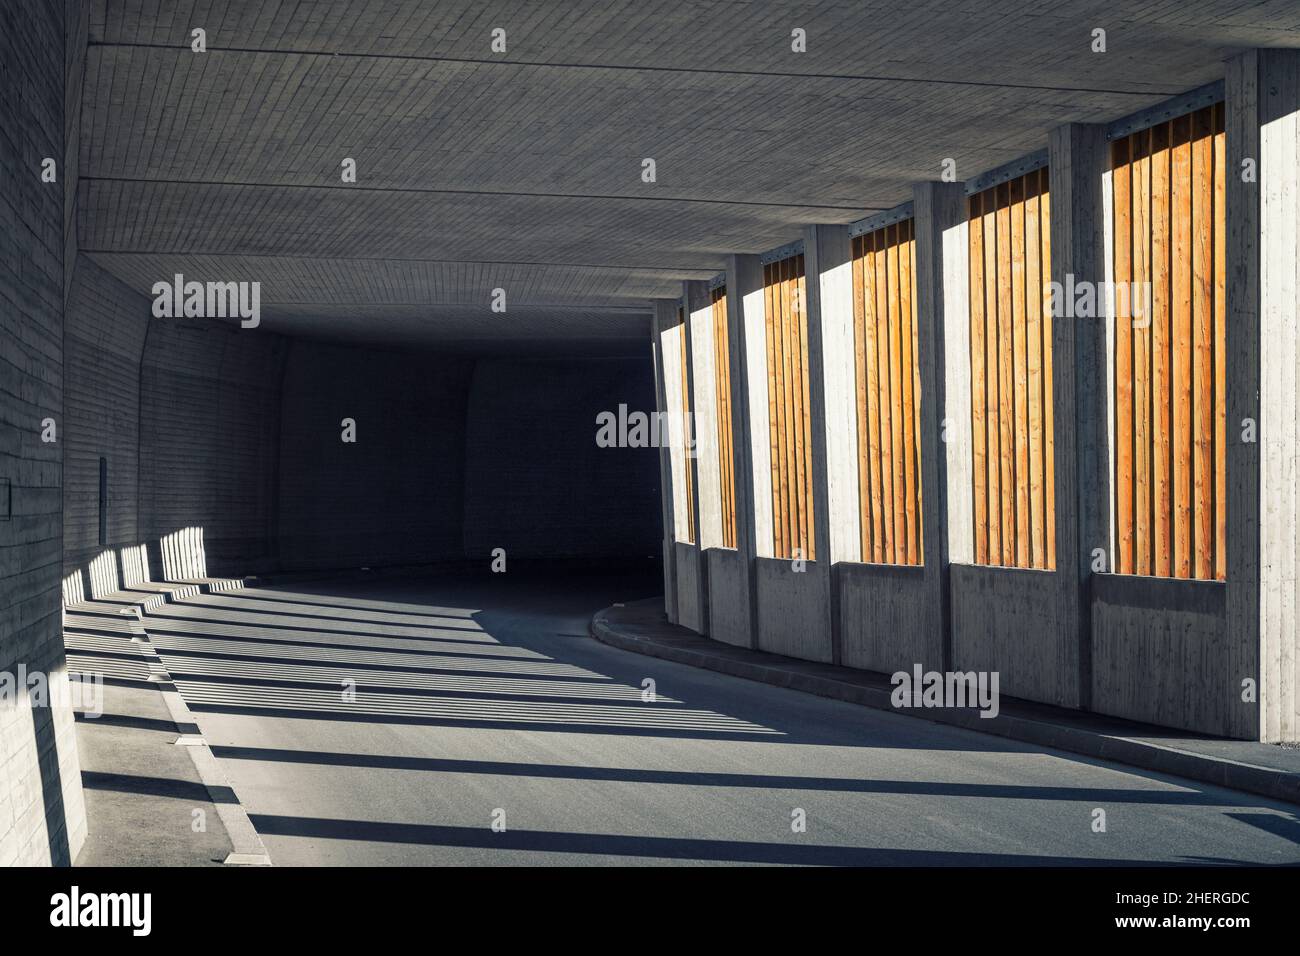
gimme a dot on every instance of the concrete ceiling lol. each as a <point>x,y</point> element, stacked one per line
<point>522,170</point>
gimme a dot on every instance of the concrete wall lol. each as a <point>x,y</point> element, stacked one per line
<point>394,496</point>
<point>42,813</point>
<point>536,484</point>
<point>209,439</point>
<point>104,335</point>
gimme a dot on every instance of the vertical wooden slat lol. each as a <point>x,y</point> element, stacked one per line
<point>1181,301</point>
<point>860,392</point>
<point>991,365</point>
<point>1157,306</point>
<point>1220,353</point>
<point>918,487</point>
<point>906,363</point>
<point>688,462</point>
<point>1139,249</point>
<point>1034,363</point>
<point>769,297</point>
<point>1203,344</point>
<point>793,312</point>
<point>883,341</point>
<point>1019,371</point>
<point>1006,386</point>
<point>810,534</point>
<point>726,447</point>
<point>979,409</point>
<point>872,358</point>
<point>895,398</point>
<point>1049,404</point>
<point>1121,183</point>
<point>788,488</point>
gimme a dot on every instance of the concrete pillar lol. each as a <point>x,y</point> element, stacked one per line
<point>750,461</point>
<point>1262,91</point>
<point>667,490</point>
<point>1077,163</point>
<point>943,317</point>
<point>832,382</point>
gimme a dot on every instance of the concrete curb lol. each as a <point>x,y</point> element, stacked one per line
<point>617,626</point>
<point>248,849</point>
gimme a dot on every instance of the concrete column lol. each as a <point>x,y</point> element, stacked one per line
<point>828,261</point>
<point>943,317</point>
<point>750,461</point>
<point>667,493</point>
<point>1263,296</point>
<point>701,427</point>
<point>1077,163</point>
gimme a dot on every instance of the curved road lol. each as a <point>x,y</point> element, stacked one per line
<point>395,722</point>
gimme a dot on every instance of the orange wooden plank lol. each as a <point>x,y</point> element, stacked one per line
<point>1181,332</point>
<point>1139,249</point>
<point>883,345</point>
<point>979,412</point>
<point>991,364</point>
<point>896,399</point>
<point>810,535</point>
<point>1122,270</point>
<point>1203,416</point>
<point>918,488</point>
<point>770,311</point>
<point>1006,384</point>
<point>1220,351</point>
<point>872,391</point>
<point>860,400</point>
<point>1049,402</point>
<point>907,365</point>
<point>1019,370</point>
<point>1157,305</point>
<point>1034,371</point>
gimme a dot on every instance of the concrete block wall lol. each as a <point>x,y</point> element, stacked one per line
<point>104,335</point>
<point>395,496</point>
<point>535,481</point>
<point>1216,657</point>
<point>42,813</point>
<point>209,439</point>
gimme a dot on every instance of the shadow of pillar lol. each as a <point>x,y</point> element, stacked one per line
<point>47,758</point>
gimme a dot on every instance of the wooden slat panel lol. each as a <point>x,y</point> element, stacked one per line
<point>979,412</point>
<point>769,301</point>
<point>1006,386</point>
<point>1049,404</point>
<point>1161,344</point>
<point>1013,486</point>
<point>1181,280</point>
<point>1139,249</point>
<point>726,447</point>
<point>805,402</point>
<point>889,396</point>
<point>1173,462</point>
<point>872,328</point>
<point>860,397</point>
<point>1220,351</point>
<point>1034,368</point>
<point>1019,370</point>
<point>688,459</point>
<point>789,409</point>
<point>1203,343</point>
<point>1121,185</point>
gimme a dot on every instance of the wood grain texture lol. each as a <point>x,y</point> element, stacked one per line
<point>888,394</point>
<point>1170,366</point>
<point>1011,382</point>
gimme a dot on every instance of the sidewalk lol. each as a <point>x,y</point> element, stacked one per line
<point>1264,769</point>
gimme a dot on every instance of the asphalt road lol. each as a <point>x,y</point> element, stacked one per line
<point>397,722</point>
